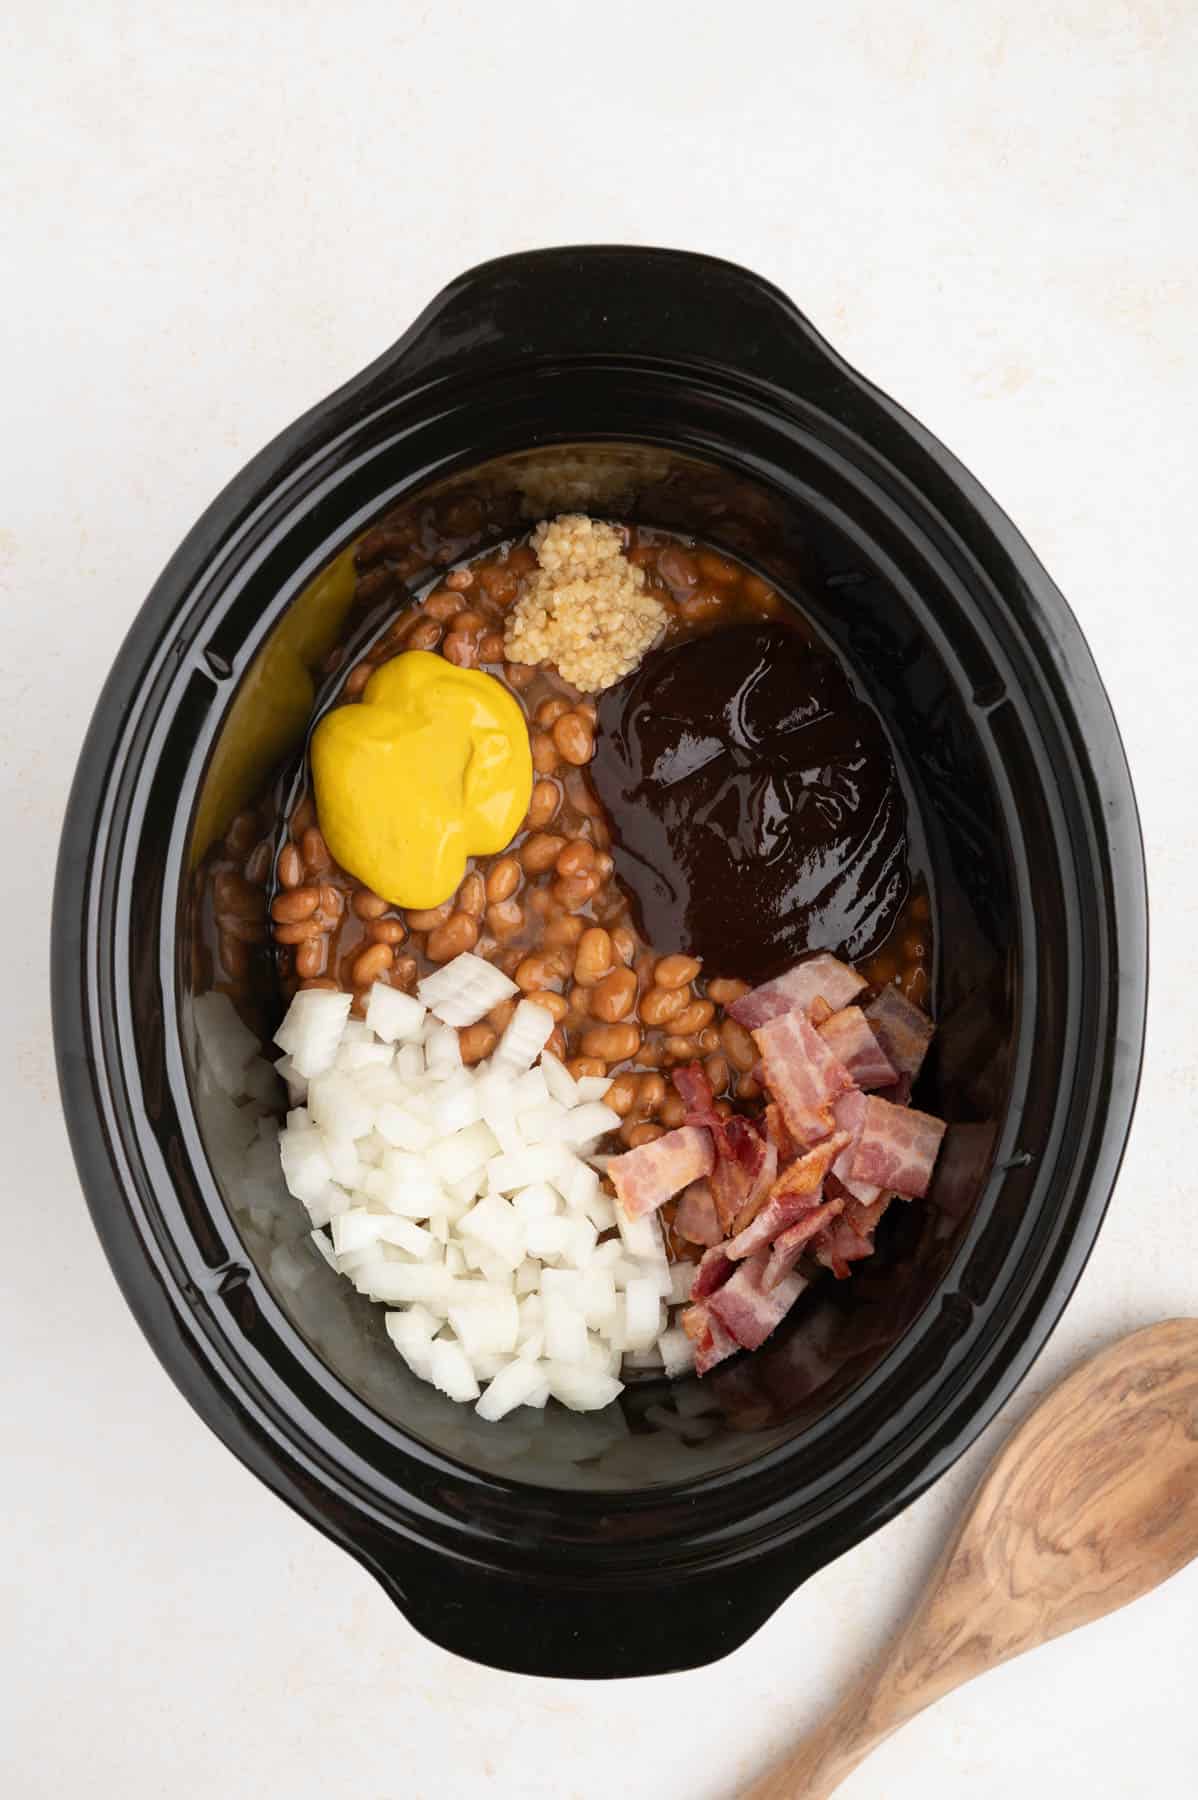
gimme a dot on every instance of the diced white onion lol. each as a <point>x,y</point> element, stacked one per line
<point>465,990</point>
<point>396,1017</point>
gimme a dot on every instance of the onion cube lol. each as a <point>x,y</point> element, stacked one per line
<point>592,1087</point>
<point>409,1062</point>
<point>582,1388</point>
<point>450,1371</point>
<point>642,1314</point>
<point>565,1333</point>
<point>528,1030</point>
<point>548,1236</point>
<point>442,1053</point>
<point>641,1236</point>
<point>677,1351</point>
<point>528,1278</point>
<point>402,1128</point>
<point>412,1334</point>
<point>496,1226</point>
<point>523,1168</point>
<point>311,1031</point>
<point>585,1124</point>
<point>536,1202</point>
<point>486,1325</point>
<point>515,1385</point>
<point>558,1079</point>
<point>306,1167</point>
<point>395,1017</point>
<point>581,1241</point>
<point>458,1156</point>
<point>335,1103</point>
<point>463,991</point>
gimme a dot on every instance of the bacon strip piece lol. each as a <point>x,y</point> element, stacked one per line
<point>745,1310</point>
<point>820,977</point>
<point>897,1148</point>
<point>790,1244</point>
<point>850,1038</point>
<point>796,1192</point>
<point>645,1178</point>
<point>841,1245</point>
<point>696,1216</point>
<point>715,1346</point>
<point>849,1113</point>
<point>802,1074</point>
<point>902,1029</point>
<point>715,1267</point>
<point>745,1164</point>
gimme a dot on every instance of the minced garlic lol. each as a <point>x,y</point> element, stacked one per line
<point>585,609</point>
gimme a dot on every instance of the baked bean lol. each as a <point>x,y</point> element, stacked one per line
<point>651,1093</point>
<point>556,1044</point>
<point>555,1004</point>
<point>676,971</point>
<point>716,1070</point>
<point>649,1055</point>
<point>442,605</point>
<point>605,865</point>
<point>540,852</point>
<point>574,738</point>
<point>320,981</point>
<point>303,816</point>
<point>586,1065</point>
<point>621,1095</point>
<point>581,794</point>
<point>613,1043</point>
<point>676,568</point>
<point>501,1016</point>
<point>459,933</point>
<point>468,622</point>
<point>673,1111</point>
<point>370,964</point>
<point>578,858</point>
<point>459,580</point>
<point>693,1018</point>
<point>518,675</point>
<point>242,835</point>
<point>503,878</point>
<point>594,957</point>
<point>283,934</point>
<point>544,752</point>
<point>490,647</point>
<point>624,944</point>
<point>546,798</point>
<point>296,904</point>
<point>332,902</point>
<point>368,905</point>
<point>472,895</point>
<point>429,917</point>
<point>714,567</point>
<point>234,956</point>
<point>726,993</point>
<point>459,650</point>
<point>614,996</point>
<point>564,931</point>
<point>747,1088</point>
<point>476,1041</point>
<point>291,866</point>
<point>540,901</point>
<point>702,604</point>
<point>550,711</point>
<point>739,1047</point>
<point>680,1049</point>
<point>425,635</point>
<point>315,851</point>
<point>634,1135</point>
<point>708,1039</point>
<point>573,891</point>
<point>357,678</point>
<point>386,931</point>
<point>537,971</point>
<point>504,918</point>
<point>312,957</point>
<point>500,583</point>
<point>659,1005</point>
<point>580,1004</point>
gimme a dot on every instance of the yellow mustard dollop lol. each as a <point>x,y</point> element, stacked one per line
<point>431,766</point>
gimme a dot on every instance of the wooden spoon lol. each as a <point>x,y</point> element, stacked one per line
<point>1093,1502</point>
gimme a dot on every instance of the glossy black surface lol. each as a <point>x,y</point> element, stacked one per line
<point>756,808</point>
<point>689,393</point>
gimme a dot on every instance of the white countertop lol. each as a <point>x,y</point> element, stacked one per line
<point>215,215</point>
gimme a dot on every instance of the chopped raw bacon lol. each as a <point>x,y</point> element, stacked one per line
<point>696,1218</point>
<point>789,1245</point>
<point>821,977</point>
<point>796,1192</point>
<point>715,1345</point>
<point>841,1245</point>
<point>778,1135</point>
<point>818,1011</point>
<point>802,1074</point>
<point>715,1266</point>
<point>746,1310</point>
<point>902,1029</point>
<point>744,1163</point>
<point>897,1148</point>
<point>850,1116</point>
<point>645,1178</point>
<point>850,1037</point>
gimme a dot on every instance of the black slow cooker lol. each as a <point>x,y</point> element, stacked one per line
<point>682,391</point>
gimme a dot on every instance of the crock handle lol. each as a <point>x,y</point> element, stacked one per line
<point>592,301</point>
<point>534,1624</point>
